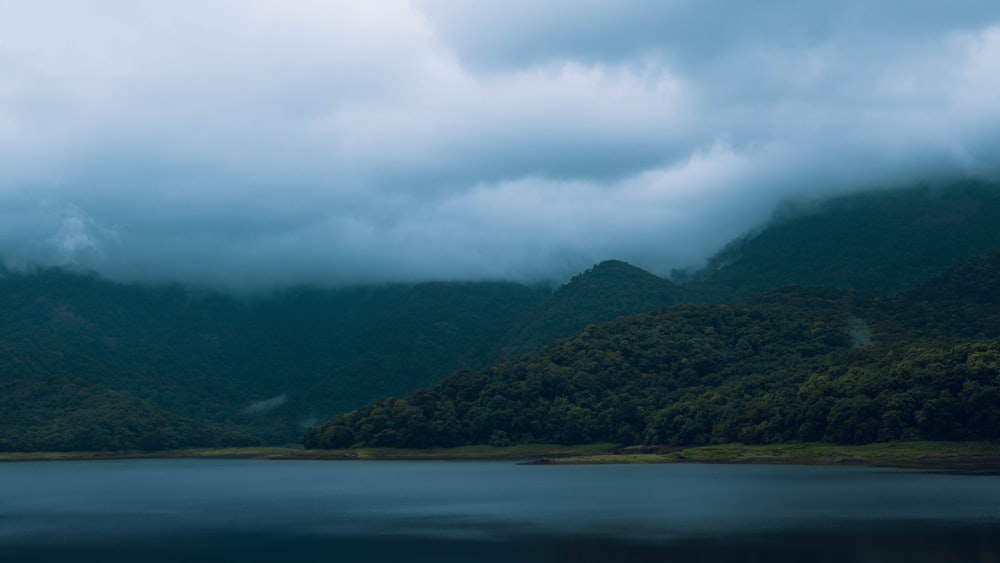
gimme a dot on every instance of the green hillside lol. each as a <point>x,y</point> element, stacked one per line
<point>90,364</point>
<point>608,290</point>
<point>790,364</point>
<point>132,362</point>
<point>167,367</point>
<point>883,241</point>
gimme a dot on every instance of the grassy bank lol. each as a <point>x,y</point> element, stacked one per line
<point>957,455</point>
<point>893,454</point>
<point>249,452</point>
<point>523,451</point>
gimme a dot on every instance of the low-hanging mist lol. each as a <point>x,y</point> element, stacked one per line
<point>252,145</point>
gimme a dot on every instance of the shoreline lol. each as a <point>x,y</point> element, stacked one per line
<point>981,457</point>
<point>960,457</point>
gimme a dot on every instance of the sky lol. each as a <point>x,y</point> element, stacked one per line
<point>250,144</point>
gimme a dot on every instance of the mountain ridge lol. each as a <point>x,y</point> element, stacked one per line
<point>792,364</point>
<point>609,289</point>
<point>886,241</point>
<point>217,370</point>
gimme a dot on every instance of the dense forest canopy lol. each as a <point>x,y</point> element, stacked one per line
<point>213,370</point>
<point>90,364</point>
<point>884,241</point>
<point>791,364</point>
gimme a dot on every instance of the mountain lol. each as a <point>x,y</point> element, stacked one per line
<point>884,241</point>
<point>411,340</point>
<point>789,364</point>
<point>130,362</point>
<point>90,364</point>
<point>608,290</point>
<point>167,367</point>
<point>962,301</point>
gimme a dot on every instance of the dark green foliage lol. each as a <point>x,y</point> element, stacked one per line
<point>342,348</point>
<point>61,413</point>
<point>85,363</point>
<point>201,360</point>
<point>787,365</point>
<point>89,364</point>
<point>958,302</point>
<point>608,290</point>
<point>882,241</point>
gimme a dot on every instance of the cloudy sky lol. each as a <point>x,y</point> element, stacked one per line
<point>252,143</point>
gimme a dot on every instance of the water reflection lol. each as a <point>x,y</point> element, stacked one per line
<point>247,510</point>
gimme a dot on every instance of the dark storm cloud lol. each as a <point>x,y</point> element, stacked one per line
<point>249,144</point>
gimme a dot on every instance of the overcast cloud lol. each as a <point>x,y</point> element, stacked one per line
<point>251,143</point>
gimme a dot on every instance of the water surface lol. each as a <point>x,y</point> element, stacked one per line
<point>256,510</point>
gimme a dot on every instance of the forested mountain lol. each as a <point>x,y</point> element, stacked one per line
<point>90,364</point>
<point>608,290</point>
<point>789,364</point>
<point>883,241</point>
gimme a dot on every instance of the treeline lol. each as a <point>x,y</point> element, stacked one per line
<point>791,364</point>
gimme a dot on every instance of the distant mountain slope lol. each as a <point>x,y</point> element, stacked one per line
<point>883,241</point>
<point>790,364</point>
<point>608,290</point>
<point>210,366</point>
<point>207,369</point>
<point>972,282</point>
<point>413,340</point>
<point>86,364</point>
<point>962,301</point>
<point>58,412</point>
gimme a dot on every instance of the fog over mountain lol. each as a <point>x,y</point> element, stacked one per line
<point>251,144</point>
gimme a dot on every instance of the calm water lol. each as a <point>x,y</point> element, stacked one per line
<point>250,510</point>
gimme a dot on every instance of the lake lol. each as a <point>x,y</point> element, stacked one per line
<point>258,510</point>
